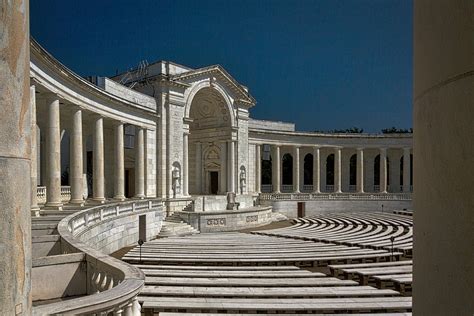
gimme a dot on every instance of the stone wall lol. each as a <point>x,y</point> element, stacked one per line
<point>271,125</point>
<point>122,231</point>
<point>207,222</point>
<point>290,208</point>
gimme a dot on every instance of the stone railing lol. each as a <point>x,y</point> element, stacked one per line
<point>267,188</point>
<point>335,196</point>
<point>307,188</point>
<point>113,285</point>
<point>286,188</point>
<point>41,194</point>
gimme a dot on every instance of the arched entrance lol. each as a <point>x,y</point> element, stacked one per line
<point>209,146</point>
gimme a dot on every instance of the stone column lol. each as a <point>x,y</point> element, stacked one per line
<point>185,164</point>
<point>34,152</point>
<point>139,163</point>
<point>231,167</point>
<point>360,170</point>
<point>296,170</point>
<point>406,169</point>
<point>316,170</point>
<point>76,158</point>
<point>276,163</point>
<point>98,164</point>
<point>53,153</point>
<point>383,170</point>
<point>119,175</point>
<point>258,168</point>
<point>337,170</point>
<point>443,154</point>
<point>223,180</point>
<point>198,168</point>
<point>15,149</point>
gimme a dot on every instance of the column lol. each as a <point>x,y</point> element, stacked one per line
<point>276,163</point>
<point>258,168</point>
<point>119,175</point>
<point>231,167</point>
<point>223,175</point>
<point>316,170</point>
<point>139,163</point>
<point>383,170</point>
<point>337,171</point>
<point>76,158</point>
<point>443,154</point>
<point>98,161</point>
<point>53,153</point>
<point>296,170</point>
<point>185,164</point>
<point>34,151</point>
<point>360,170</point>
<point>15,155</point>
<point>198,168</point>
<point>406,169</point>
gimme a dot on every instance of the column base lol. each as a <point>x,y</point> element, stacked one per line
<point>316,192</point>
<point>120,198</point>
<point>98,200</point>
<point>78,202</point>
<point>35,212</point>
<point>139,197</point>
<point>57,206</point>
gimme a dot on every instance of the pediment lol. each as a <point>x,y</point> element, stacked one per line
<point>219,73</point>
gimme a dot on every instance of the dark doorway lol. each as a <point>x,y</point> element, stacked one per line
<point>214,180</point>
<point>301,209</point>
<point>142,227</point>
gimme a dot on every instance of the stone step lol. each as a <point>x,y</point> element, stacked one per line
<point>176,229</point>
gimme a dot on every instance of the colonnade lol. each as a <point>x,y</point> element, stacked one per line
<point>316,176</point>
<point>77,146</point>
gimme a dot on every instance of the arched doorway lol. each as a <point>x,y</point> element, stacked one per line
<point>209,143</point>
<point>330,173</point>
<point>353,172</point>
<point>308,172</point>
<point>287,172</point>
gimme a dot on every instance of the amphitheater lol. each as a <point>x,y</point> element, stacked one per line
<point>154,192</point>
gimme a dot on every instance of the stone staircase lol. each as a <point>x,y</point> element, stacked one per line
<point>44,234</point>
<point>173,225</point>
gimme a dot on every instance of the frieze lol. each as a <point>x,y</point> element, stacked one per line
<point>253,218</point>
<point>216,222</point>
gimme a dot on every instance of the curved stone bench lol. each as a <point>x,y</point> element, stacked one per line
<point>113,285</point>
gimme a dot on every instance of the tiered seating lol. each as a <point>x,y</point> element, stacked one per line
<point>246,273</point>
<point>247,249</point>
<point>244,289</point>
<point>397,274</point>
<point>374,230</point>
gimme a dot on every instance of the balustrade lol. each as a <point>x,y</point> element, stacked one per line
<point>287,188</point>
<point>335,196</point>
<point>115,283</point>
<point>329,188</point>
<point>267,188</point>
<point>307,188</point>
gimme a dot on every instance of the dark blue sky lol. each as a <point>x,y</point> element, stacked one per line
<point>322,64</point>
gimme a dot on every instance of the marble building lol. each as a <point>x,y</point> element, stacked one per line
<point>173,132</point>
<point>169,134</point>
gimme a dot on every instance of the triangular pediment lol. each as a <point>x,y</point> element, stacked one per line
<point>223,76</point>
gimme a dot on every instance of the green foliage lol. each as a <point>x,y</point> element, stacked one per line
<point>394,130</point>
<point>352,130</point>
